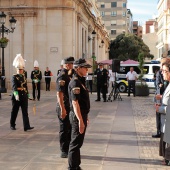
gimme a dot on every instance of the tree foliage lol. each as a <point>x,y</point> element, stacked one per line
<point>128,46</point>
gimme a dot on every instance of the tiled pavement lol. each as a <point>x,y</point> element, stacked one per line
<point>118,136</point>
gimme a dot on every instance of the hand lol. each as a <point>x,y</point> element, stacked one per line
<point>63,113</point>
<point>17,97</point>
<point>35,81</point>
<point>158,97</point>
<point>157,107</point>
<point>81,127</point>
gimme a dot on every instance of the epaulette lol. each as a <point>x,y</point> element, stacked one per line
<point>76,90</point>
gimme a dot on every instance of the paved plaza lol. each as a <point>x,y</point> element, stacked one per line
<point>118,136</point>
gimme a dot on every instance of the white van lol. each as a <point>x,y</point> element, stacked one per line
<point>149,69</point>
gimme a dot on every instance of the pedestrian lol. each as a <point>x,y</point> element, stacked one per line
<point>154,78</point>
<point>19,94</point>
<point>111,79</point>
<point>102,79</point>
<point>36,77</point>
<point>162,109</point>
<point>80,107</point>
<point>161,85</point>
<point>47,75</point>
<point>61,67</point>
<point>89,80</point>
<point>131,78</point>
<point>63,106</point>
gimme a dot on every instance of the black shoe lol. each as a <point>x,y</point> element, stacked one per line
<point>97,100</point>
<point>64,155</point>
<point>128,95</point>
<point>25,129</point>
<point>13,128</point>
<point>104,100</point>
<point>156,136</point>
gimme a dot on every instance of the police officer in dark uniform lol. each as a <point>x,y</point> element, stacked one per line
<point>63,106</point>
<point>36,77</point>
<point>102,78</point>
<point>19,95</point>
<point>80,107</point>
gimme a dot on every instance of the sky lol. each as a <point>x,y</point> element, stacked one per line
<point>142,10</point>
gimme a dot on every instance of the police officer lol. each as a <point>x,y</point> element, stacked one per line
<point>19,94</point>
<point>63,107</point>
<point>80,107</point>
<point>36,77</point>
<point>102,78</point>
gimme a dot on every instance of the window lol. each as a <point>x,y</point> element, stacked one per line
<point>113,32</point>
<point>102,5</point>
<point>113,13</point>
<point>102,13</point>
<point>124,5</point>
<point>146,69</point>
<point>124,13</point>
<point>113,22</point>
<point>113,4</point>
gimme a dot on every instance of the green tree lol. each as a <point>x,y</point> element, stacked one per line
<point>128,46</point>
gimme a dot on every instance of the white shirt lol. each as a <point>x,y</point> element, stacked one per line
<point>131,75</point>
<point>111,75</point>
<point>89,77</point>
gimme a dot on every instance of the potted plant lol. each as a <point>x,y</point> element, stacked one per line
<point>141,88</point>
<point>3,42</point>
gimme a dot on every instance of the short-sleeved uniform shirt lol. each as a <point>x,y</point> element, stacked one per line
<point>62,85</point>
<point>77,91</point>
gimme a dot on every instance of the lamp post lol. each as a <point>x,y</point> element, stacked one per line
<point>3,30</point>
<point>93,47</point>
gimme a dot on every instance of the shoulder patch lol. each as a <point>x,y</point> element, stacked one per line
<point>61,82</point>
<point>76,90</point>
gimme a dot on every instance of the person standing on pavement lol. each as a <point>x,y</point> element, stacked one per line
<point>131,78</point>
<point>63,106</point>
<point>162,109</point>
<point>61,67</point>
<point>160,87</point>
<point>36,77</point>
<point>80,107</point>
<point>111,79</point>
<point>19,94</point>
<point>47,75</point>
<point>102,78</point>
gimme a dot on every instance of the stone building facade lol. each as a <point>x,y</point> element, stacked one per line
<point>49,30</point>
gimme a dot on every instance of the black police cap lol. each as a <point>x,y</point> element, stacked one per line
<point>81,63</point>
<point>68,60</point>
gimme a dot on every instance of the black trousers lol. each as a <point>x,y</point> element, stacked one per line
<point>162,146</point>
<point>23,103</point>
<point>90,85</point>
<point>65,131</point>
<point>74,159</point>
<point>158,123</point>
<point>47,81</point>
<point>131,84</point>
<point>101,89</point>
<point>36,87</point>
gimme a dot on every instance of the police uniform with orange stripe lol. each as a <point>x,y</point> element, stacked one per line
<point>62,82</point>
<point>78,93</point>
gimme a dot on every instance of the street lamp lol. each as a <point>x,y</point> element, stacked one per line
<point>93,47</point>
<point>3,30</point>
